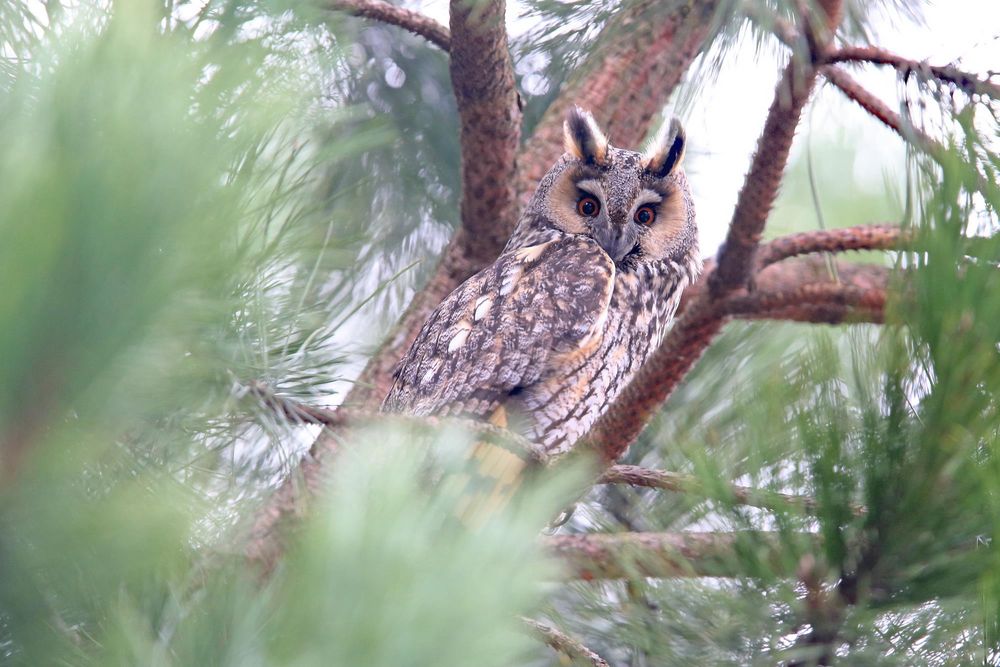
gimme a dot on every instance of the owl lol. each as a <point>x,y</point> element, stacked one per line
<point>543,340</point>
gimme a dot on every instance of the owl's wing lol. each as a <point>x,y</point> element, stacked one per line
<point>505,328</point>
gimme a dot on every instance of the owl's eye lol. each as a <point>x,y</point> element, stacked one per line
<point>645,215</point>
<point>588,207</point>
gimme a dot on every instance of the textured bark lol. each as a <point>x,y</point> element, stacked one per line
<point>862,237</point>
<point>385,12</point>
<point>969,83</point>
<point>482,77</point>
<point>689,484</point>
<point>800,271</point>
<point>760,188</point>
<point>671,555</point>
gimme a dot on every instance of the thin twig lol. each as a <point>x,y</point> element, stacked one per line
<point>786,33</point>
<point>565,644</point>
<point>970,83</point>
<point>671,555</point>
<point>384,12</point>
<point>909,132</point>
<point>303,413</point>
<point>689,484</point>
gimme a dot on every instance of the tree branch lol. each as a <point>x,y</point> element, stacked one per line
<point>303,413</point>
<point>760,188</point>
<point>703,319</point>
<point>384,12</point>
<point>969,83</point>
<point>489,113</point>
<point>689,484</point>
<point>861,237</point>
<point>672,555</point>
<point>799,271</point>
<point>877,108</point>
<point>564,644</point>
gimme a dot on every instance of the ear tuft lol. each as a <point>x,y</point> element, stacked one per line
<point>583,138</point>
<point>666,152</point>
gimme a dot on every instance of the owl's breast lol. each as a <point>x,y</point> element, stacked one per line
<point>581,384</point>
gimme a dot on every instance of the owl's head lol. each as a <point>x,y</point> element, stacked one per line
<point>637,206</point>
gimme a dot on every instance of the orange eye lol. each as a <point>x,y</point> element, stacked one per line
<point>588,207</point>
<point>645,215</point>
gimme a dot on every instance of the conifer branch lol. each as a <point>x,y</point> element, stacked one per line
<point>753,206</point>
<point>689,484</point>
<point>703,319</point>
<point>564,644</point>
<point>797,271</point>
<point>337,418</point>
<point>969,83</point>
<point>861,237</point>
<point>385,12</point>
<point>760,188</point>
<point>489,113</point>
<point>600,556</point>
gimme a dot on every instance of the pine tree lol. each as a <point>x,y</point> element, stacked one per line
<point>223,221</point>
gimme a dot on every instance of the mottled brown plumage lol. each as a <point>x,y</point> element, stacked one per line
<point>543,340</point>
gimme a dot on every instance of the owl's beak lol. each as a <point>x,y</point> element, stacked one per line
<point>617,241</point>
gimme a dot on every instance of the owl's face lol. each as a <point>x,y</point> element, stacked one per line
<point>636,206</point>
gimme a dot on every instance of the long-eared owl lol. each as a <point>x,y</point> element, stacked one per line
<point>544,339</point>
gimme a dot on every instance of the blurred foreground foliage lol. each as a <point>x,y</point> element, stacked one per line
<point>168,237</point>
<point>197,196</point>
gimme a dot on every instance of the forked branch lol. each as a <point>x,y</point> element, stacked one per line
<point>703,318</point>
<point>760,188</point>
